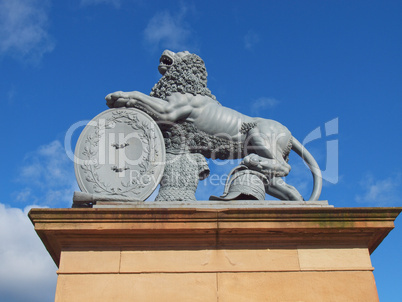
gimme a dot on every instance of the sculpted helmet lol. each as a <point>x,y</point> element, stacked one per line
<point>244,184</point>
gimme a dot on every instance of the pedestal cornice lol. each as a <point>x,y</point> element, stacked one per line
<point>189,229</point>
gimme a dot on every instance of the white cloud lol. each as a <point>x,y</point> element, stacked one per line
<point>49,177</point>
<point>23,29</point>
<point>115,3</point>
<point>23,195</point>
<point>27,272</point>
<point>263,103</point>
<point>168,30</point>
<point>381,192</point>
<point>251,39</point>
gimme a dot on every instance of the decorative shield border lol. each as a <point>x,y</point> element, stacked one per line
<point>87,166</point>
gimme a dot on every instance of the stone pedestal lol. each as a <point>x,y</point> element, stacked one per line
<point>282,254</point>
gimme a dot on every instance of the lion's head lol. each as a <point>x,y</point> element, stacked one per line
<point>182,72</point>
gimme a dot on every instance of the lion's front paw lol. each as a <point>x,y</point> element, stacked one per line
<point>117,99</point>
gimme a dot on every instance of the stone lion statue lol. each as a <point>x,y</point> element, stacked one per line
<point>181,97</point>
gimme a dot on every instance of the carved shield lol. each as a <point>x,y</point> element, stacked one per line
<point>120,153</point>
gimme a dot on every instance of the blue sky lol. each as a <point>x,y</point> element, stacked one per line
<point>329,70</point>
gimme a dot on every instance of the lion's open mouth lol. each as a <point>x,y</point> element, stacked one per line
<point>164,64</point>
<point>166,60</point>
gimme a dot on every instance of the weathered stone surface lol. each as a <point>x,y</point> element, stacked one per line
<point>102,261</point>
<point>297,286</point>
<point>334,259</point>
<point>136,287</point>
<point>221,260</point>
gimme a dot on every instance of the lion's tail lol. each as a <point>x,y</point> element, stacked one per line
<point>315,169</point>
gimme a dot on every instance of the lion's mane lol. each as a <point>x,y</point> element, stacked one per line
<point>187,75</point>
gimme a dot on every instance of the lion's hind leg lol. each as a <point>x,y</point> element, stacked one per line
<point>267,141</point>
<point>277,187</point>
<point>267,166</point>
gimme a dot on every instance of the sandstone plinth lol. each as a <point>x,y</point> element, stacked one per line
<point>284,254</point>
